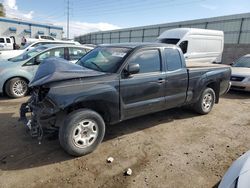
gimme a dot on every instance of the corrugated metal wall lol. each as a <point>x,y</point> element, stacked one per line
<point>236,29</point>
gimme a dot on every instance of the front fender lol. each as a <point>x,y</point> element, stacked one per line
<point>69,96</point>
<point>12,73</point>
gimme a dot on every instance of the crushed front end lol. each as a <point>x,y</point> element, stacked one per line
<point>39,113</point>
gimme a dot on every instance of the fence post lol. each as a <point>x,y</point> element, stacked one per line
<point>143,30</point>
<point>130,35</point>
<point>240,31</point>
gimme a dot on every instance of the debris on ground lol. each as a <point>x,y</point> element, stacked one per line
<point>128,172</point>
<point>110,159</point>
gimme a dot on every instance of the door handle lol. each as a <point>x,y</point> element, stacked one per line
<point>161,81</point>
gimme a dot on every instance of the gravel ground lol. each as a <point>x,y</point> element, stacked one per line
<point>174,148</point>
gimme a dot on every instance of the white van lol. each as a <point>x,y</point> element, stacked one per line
<point>198,45</point>
<point>6,43</point>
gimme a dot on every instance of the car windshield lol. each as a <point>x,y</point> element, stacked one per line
<point>242,62</point>
<point>104,59</point>
<point>28,54</point>
<point>169,40</point>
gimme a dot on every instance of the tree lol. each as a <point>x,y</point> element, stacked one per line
<point>2,10</point>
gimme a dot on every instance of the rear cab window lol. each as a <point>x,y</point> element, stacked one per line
<point>173,59</point>
<point>8,40</point>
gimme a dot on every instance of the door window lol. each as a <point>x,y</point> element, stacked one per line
<point>1,40</point>
<point>8,40</point>
<point>76,53</point>
<point>58,52</point>
<point>174,61</point>
<point>184,45</point>
<point>149,61</point>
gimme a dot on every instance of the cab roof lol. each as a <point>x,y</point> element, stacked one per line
<point>138,45</point>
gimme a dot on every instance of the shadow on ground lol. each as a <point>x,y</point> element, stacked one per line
<point>237,95</point>
<point>19,151</point>
<point>216,185</point>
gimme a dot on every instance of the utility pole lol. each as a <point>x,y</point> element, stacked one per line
<point>67,19</point>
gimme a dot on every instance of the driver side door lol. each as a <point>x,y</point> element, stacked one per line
<point>143,92</point>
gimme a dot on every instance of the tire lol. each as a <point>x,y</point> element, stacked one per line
<point>16,88</point>
<point>82,132</point>
<point>206,101</point>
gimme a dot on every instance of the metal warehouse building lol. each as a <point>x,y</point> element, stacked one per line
<point>19,28</point>
<point>236,29</point>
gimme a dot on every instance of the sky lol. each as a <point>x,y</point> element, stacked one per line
<point>100,15</point>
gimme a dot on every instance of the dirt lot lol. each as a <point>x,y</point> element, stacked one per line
<point>174,148</point>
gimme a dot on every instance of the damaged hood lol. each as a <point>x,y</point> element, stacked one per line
<point>57,69</point>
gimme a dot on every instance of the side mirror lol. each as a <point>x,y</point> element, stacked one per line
<point>133,68</point>
<point>37,61</point>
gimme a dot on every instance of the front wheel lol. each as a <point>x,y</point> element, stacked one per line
<point>16,88</point>
<point>82,132</point>
<point>206,101</point>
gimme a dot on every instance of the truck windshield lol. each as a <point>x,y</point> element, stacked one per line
<point>169,41</point>
<point>104,59</point>
<point>28,54</point>
<point>242,62</point>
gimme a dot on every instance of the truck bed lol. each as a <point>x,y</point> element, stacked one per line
<point>205,65</point>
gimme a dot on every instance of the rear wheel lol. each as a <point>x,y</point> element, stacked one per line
<point>206,101</point>
<point>82,132</point>
<point>16,87</point>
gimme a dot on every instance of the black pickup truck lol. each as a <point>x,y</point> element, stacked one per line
<point>113,83</point>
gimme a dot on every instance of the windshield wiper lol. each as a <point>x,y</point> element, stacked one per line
<point>96,66</point>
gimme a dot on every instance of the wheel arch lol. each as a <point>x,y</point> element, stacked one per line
<point>99,106</point>
<point>216,87</point>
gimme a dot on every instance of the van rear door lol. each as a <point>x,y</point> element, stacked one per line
<point>204,49</point>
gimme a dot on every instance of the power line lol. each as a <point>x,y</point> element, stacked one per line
<point>129,9</point>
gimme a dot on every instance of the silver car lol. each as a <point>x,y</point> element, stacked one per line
<point>240,78</point>
<point>16,73</point>
<point>238,175</point>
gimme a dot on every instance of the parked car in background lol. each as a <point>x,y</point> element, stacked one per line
<point>197,45</point>
<point>28,46</point>
<point>113,83</point>
<point>238,175</point>
<point>44,37</point>
<point>240,77</point>
<point>6,43</point>
<point>17,72</point>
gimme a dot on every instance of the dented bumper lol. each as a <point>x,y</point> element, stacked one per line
<point>38,116</point>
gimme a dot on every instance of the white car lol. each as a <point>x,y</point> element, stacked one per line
<point>240,77</point>
<point>238,175</point>
<point>13,53</point>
